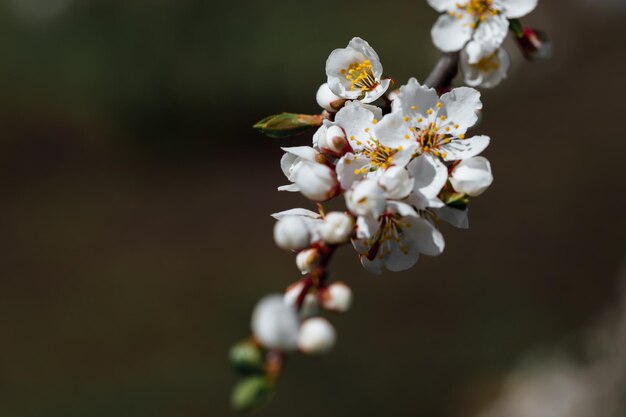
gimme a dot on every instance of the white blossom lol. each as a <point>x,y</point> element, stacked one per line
<point>472,176</point>
<point>396,239</point>
<point>336,228</point>
<point>489,72</point>
<point>482,25</point>
<point>438,125</point>
<point>375,143</point>
<point>275,324</point>
<point>316,336</point>
<point>355,72</point>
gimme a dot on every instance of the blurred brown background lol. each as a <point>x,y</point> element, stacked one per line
<point>135,232</point>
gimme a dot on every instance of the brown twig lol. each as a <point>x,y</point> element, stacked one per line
<point>444,72</point>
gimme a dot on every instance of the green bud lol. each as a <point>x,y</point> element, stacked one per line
<point>247,358</point>
<point>288,124</point>
<point>454,199</point>
<point>251,393</point>
<point>515,25</point>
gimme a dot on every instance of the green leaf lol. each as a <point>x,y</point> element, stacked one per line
<point>251,393</point>
<point>246,358</point>
<point>288,124</point>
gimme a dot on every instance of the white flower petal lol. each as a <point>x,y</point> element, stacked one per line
<point>363,47</point>
<point>403,209</point>
<point>305,152</point>
<point>457,218</point>
<point>430,176</point>
<point>392,131</point>
<point>487,38</point>
<point>398,260</point>
<point>356,121</point>
<point>466,148</point>
<point>426,238</point>
<point>472,176</point>
<point>518,8</point>
<point>489,72</point>
<point>367,227</point>
<point>414,100</point>
<point>292,188</point>
<point>374,266</point>
<point>451,33</point>
<point>396,181</point>
<point>367,198</point>
<point>349,169</point>
<point>338,61</point>
<point>461,106</point>
<point>296,212</point>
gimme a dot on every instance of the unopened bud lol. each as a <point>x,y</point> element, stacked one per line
<point>246,358</point>
<point>275,324</point>
<point>336,228</point>
<point>291,233</point>
<point>251,393</point>
<point>317,336</point>
<point>316,181</point>
<point>307,260</point>
<point>397,182</point>
<point>328,100</point>
<point>334,140</point>
<point>336,297</point>
<point>288,124</point>
<point>534,44</point>
<point>472,176</point>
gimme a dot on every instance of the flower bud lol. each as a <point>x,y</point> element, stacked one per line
<point>316,182</point>
<point>336,297</point>
<point>534,44</point>
<point>307,260</point>
<point>287,124</point>
<point>328,100</point>
<point>309,305</point>
<point>275,324</point>
<point>472,176</point>
<point>336,228</point>
<point>367,198</point>
<point>246,358</point>
<point>251,393</point>
<point>334,140</point>
<point>291,233</point>
<point>317,336</point>
<point>397,182</point>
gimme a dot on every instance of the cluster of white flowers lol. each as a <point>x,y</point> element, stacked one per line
<point>478,28</point>
<point>394,171</point>
<point>401,170</point>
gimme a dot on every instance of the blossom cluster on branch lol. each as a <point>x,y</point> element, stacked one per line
<point>402,168</point>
